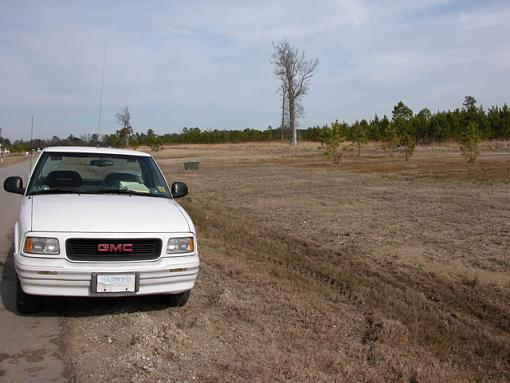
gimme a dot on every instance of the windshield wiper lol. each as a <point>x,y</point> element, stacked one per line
<point>102,191</point>
<point>56,191</point>
<point>121,191</point>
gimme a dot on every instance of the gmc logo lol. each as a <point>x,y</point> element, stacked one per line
<point>115,248</point>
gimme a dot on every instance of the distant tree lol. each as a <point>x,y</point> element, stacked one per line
<point>495,122</point>
<point>359,134</point>
<point>469,104</point>
<point>19,146</point>
<point>112,140</point>
<point>470,142</point>
<point>408,143</point>
<point>70,140</point>
<point>374,129</point>
<point>55,141</point>
<point>124,117</point>
<point>402,120</point>
<point>402,116</point>
<point>440,127</point>
<point>390,136</point>
<point>94,139</point>
<point>471,113</point>
<point>505,122</point>
<point>124,134</point>
<point>124,120</point>
<point>331,139</point>
<point>421,125</point>
<point>154,142</point>
<point>295,72</point>
<point>134,142</point>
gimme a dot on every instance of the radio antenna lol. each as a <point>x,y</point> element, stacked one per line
<point>31,142</point>
<point>101,98</point>
<point>1,147</point>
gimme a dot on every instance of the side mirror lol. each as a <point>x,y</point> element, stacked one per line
<point>14,185</point>
<point>179,189</point>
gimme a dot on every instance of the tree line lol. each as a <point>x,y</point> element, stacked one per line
<point>404,127</point>
<point>425,127</point>
<point>190,136</point>
<point>122,139</point>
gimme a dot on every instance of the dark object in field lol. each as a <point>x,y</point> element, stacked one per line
<point>192,165</point>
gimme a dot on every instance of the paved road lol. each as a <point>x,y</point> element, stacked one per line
<point>30,346</point>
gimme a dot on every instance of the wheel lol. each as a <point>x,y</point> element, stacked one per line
<point>177,300</point>
<point>25,303</point>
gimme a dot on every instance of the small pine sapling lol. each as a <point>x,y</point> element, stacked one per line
<point>331,139</point>
<point>408,143</point>
<point>470,142</point>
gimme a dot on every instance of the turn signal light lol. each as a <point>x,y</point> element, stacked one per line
<point>28,245</point>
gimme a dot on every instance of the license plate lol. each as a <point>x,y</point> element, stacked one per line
<point>115,283</point>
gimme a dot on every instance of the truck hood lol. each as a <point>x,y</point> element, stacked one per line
<point>107,214</point>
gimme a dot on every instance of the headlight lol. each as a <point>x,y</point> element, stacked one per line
<point>40,245</point>
<point>179,245</point>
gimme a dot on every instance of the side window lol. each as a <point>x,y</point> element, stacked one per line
<point>38,177</point>
<point>152,177</point>
<point>146,175</point>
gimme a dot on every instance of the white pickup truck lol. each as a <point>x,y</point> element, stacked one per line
<point>101,222</point>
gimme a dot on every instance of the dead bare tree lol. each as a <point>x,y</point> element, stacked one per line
<point>299,110</point>
<point>295,72</point>
<point>124,120</point>
<point>285,114</point>
<point>123,117</point>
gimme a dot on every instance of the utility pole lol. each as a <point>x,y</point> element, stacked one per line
<point>1,147</point>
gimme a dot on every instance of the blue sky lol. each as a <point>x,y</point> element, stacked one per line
<point>208,63</point>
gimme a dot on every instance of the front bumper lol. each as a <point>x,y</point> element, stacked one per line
<point>60,277</point>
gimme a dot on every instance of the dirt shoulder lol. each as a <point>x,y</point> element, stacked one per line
<point>374,270</point>
<point>12,159</point>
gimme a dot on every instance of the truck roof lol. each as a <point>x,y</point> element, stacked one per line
<point>91,149</point>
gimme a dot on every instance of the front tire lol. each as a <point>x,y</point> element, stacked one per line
<point>26,303</point>
<point>177,300</point>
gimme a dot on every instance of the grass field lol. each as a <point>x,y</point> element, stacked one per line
<point>373,270</point>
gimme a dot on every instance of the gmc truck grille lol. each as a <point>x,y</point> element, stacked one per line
<point>80,249</point>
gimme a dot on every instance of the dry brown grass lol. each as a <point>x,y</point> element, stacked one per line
<point>374,270</point>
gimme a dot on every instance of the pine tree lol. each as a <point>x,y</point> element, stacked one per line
<point>331,139</point>
<point>408,143</point>
<point>470,142</point>
<point>359,132</point>
<point>390,136</point>
<point>402,119</point>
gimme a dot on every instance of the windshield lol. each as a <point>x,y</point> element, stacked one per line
<point>93,173</point>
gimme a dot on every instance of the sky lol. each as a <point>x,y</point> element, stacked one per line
<point>208,64</point>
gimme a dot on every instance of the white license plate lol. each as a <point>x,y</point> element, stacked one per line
<point>115,283</point>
